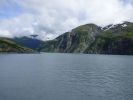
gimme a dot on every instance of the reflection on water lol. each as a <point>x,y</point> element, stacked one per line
<point>66,77</point>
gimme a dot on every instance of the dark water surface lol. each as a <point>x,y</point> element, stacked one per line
<point>66,77</point>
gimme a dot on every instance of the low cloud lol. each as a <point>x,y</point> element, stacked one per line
<point>50,18</point>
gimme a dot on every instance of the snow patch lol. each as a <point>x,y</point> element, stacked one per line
<point>124,25</point>
<point>108,27</point>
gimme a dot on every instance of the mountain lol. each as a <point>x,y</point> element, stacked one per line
<point>90,38</point>
<point>29,42</point>
<point>75,41</point>
<point>7,45</point>
<point>117,39</point>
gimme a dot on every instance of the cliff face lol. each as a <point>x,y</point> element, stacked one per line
<point>113,45</point>
<point>76,41</point>
<point>90,38</point>
<point>8,46</point>
<point>116,40</point>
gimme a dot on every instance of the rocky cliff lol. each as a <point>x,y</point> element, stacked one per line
<point>90,38</point>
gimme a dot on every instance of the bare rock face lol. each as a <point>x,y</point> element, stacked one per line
<point>75,41</point>
<point>90,38</point>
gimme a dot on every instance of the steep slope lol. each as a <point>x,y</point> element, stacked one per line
<point>7,45</point>
<point>116,40</point>
<point>90,38</point>
<point>76,41</point>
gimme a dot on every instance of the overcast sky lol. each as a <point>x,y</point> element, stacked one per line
<point>50,18</point>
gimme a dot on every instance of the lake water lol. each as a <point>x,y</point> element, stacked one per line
<point>65,77</point>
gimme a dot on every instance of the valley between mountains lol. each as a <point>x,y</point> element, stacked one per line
<point>89,39</point>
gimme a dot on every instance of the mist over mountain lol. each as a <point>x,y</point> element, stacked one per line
<point>49,19</point>
<point>28,41</point>
<point>66,49</point>
<point>90,38</point>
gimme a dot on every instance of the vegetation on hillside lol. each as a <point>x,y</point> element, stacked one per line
<point>6,45</point>
<point>90,38</point>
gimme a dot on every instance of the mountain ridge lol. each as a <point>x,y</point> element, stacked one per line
<point>90,38</point>
<point>9,46</point>
<point>29,42</point>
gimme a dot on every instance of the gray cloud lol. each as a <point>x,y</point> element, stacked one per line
<point>50,18</point>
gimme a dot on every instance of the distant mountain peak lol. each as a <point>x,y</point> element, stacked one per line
<point>112,26</point>
<point>28,41</point>
<point>91,38</point>
<point>34,36</point>
<point>126,22</point>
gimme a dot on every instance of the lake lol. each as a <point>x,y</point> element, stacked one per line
<point>53,76</point>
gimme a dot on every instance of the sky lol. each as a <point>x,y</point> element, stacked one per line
<point>50,18</point>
